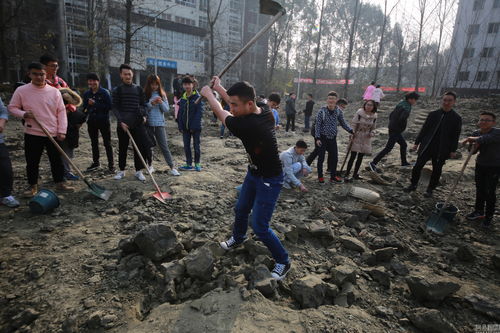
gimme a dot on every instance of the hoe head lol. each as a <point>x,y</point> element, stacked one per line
<point>270,7</point>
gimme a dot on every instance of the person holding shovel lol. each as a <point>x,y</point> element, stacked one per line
<point>262,186</point>
<point>437,141</point>
<point>129,108</point>
<point>487,172</point>
<point>38,99</point>
<point>364,122</point>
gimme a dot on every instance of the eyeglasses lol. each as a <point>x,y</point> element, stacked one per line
<point>41,74</point>
<point>486,120</point>
<point>53,65</point>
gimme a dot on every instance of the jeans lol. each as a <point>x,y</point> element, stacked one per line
<point>297,171</point>
<point>186,136</point>
<point>486,185</point>
<point>259,195</point>
<point>161,139</point>
<point>70,152</point>
<point>290,118</point>
<point>307,121</point>
<point>33,149</point>
<point>330,146</point>
<point>140,137</point>
<point>105,128</point>
<point>6,175</point>
<point>437,169</point>
<point>351,162</point>
<point>393,139</point>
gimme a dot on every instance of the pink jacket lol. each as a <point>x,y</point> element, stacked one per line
<point>46,104</point>
<point>368,92</point>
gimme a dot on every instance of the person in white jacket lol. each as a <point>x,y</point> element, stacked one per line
<point>295,166</point>
<point>377,95</point>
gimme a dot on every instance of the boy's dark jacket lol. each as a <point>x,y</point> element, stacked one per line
<point>190,113</point>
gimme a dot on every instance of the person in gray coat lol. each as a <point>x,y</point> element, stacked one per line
<point>295,166</point>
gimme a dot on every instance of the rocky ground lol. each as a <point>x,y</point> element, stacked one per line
<point>132,264</point>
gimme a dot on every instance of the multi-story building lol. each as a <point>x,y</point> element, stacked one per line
<point>474,62</point>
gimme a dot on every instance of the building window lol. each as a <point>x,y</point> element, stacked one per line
<point>493,28</point>
<point>187,3</point>
<point>473,29</point>
<point>463,76</point>
<point>487,52</point>
<point>482,76</point>
<point>478,4</point>
<point>203,5</point>
<point>496,3</point>
<point>186,21</point>
<point>203,22</point>
<point>469,52</point>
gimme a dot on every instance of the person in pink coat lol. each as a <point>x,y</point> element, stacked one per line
<point>369,91</point>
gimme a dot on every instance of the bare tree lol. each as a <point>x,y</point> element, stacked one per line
<point>424,14</point>
<point>382,35</point>
<point>352,39</point>
<point>444,9</point>
<point>318,43</point>
<point>9,11</point>
<point>212,18</point>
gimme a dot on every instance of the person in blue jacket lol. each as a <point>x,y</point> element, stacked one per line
<point>189,122</point>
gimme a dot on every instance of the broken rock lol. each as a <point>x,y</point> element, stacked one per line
<point>430,320</point>
<point>352,243</point>
<point>385,254</point>
<point>310,291</point>
<point>380,275</point>
<point>343,273</point>
<point>157,242</point>
<point>431,289</point>
<point>485,306</point>
<point>200,264</point>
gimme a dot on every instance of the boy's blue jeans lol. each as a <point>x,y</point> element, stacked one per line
<point>186,136</point>
<point>259,195</point>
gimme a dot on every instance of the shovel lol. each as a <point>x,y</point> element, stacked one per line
<point>437,222</point>
<point>161,196</point>
<point>267,7</point>
<point>94,189</point>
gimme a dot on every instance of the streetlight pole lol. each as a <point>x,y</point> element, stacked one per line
<point>155,51</point>
<point>298,85</point>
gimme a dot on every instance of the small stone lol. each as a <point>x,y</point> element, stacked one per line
<point>430,320</point>
<point>109,321</point>
<point>383,311</point>
<point>254,248</point>
<point>292,235</point>
<point>35,271</point>
<point>495,260</point>
<point>94,320</point>
<point>266,286</point>
<point>485,306</point>
<point>200,264</point>
<point>320,230</point>
<point>70,325</point>
<point>385,254</point>
<point>173,271</point>
<point>352,243</point>
<point>128,245</point>
<point>464,253</point>
<point>25,317</point>
<point>380,275</point>
<point>343,273</point>
<point>89,303</point>
<point>399,268</point>
<point>431,288</point>
<point>346,296</point>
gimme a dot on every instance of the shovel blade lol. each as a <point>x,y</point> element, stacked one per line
<point>162,196</point>
<point>270,7</point>
<point>436,223</point>
<point>100,191</point>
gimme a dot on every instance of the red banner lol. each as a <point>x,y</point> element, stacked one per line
<point>420,89</point>
<point>322,81</point>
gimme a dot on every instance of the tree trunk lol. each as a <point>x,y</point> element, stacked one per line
<point>420,31</point>
<point>352,35</point>
<point>381,42</point>
<point>128,30</point>
<point>318,43</point>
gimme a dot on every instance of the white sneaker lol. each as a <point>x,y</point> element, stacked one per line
<point>151,169</point>
<point>140,176</point>
<point>119,175</point>
<point>10,202</point>
<point>174,172</point>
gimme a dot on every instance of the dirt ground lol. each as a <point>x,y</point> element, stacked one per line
<point>66,272</point>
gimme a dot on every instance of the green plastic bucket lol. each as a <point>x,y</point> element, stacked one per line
<point>449,212</point>
<point>44,202</point>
